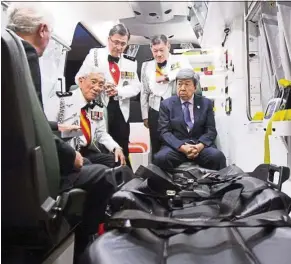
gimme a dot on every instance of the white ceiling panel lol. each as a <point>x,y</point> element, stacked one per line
<point>179,27</point>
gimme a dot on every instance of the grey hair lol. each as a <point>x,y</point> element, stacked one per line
<point>119,29</point>
<point>86,71</point>
<point>155,40</point>
<point>188,74</point>
<point>27,17</point>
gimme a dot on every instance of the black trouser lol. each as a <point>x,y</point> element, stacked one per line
<point>153,120</point>
<point>95,157</point>
<point>117,127</point>
<point>92,178</point>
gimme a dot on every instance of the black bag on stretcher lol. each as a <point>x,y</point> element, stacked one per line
<point>226,217</point>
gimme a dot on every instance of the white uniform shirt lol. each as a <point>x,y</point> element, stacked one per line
<point>128,85</point>
<point>152,92</point>
<point>70,114</point>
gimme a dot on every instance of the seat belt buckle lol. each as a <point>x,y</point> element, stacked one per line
<point>171,193</point>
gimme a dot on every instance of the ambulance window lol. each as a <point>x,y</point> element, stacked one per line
<point>82,42</point>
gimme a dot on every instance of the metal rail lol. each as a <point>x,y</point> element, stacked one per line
<point>250,12</point>
<point>248,15</point>
<point>248,92</point>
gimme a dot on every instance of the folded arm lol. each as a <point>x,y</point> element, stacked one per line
<point>102,136</point>
<point>130,90</point>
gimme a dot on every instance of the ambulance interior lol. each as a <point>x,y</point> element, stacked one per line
<point>240,59</point>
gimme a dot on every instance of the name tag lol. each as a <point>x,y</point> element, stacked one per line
<point>175,66</point>
<point>96,115</point>
<point>127,75</point>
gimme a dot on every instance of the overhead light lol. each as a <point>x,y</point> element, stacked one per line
<point>152,14</point>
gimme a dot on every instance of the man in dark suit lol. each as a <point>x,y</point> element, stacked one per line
<point>31,24</point>
<point>187,128</point>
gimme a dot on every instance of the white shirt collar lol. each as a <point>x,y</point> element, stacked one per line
<point>82,101</point>
<point>108,52</point>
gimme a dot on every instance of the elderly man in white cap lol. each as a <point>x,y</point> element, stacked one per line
<point>187,128</point>
<point>85,108</point>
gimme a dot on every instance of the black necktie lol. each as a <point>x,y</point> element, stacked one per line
<point>113,59</point>
<point>163,64</point>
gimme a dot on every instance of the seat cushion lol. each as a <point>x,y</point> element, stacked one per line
<point>137,147</point>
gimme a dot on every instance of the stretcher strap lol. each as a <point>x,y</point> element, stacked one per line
<point>141,219</point>
<point>227,187</point>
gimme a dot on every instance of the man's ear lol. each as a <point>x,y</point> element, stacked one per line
<point>81,79</point>
<point>169,45</point>
<point>41,30</point>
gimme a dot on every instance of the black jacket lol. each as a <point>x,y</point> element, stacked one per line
<point>66,153</point>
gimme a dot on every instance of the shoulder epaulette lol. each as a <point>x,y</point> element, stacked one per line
<point>65,94</point>
<point>128,57</point>
<point>150,59</point>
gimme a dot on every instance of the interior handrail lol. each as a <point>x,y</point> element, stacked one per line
<point>248,15</point>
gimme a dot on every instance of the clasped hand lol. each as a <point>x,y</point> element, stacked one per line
<point>192,150</point>
<point>110,89</point>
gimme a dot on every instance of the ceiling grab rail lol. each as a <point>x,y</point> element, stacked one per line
<point>248,14</point>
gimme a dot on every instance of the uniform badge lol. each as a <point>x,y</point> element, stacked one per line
<point>76,122</point>
<point>125,83</point>
<point>127,75</point>
<point>175,66</point>
<point>96,115</point>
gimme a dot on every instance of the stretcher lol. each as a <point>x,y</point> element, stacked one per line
<point>198,216</point>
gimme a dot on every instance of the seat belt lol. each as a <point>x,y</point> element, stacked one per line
<point>141,219</point>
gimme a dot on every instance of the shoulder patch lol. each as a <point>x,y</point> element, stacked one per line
<point>150,59</point>
<point>65,94</point>
<point>128,57</point>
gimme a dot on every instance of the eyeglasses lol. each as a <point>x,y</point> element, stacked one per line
<point>117,42</point>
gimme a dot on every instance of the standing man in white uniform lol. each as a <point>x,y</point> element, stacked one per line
<point>122,82</point>
<point>158,83</point>
<point>87,112</point>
